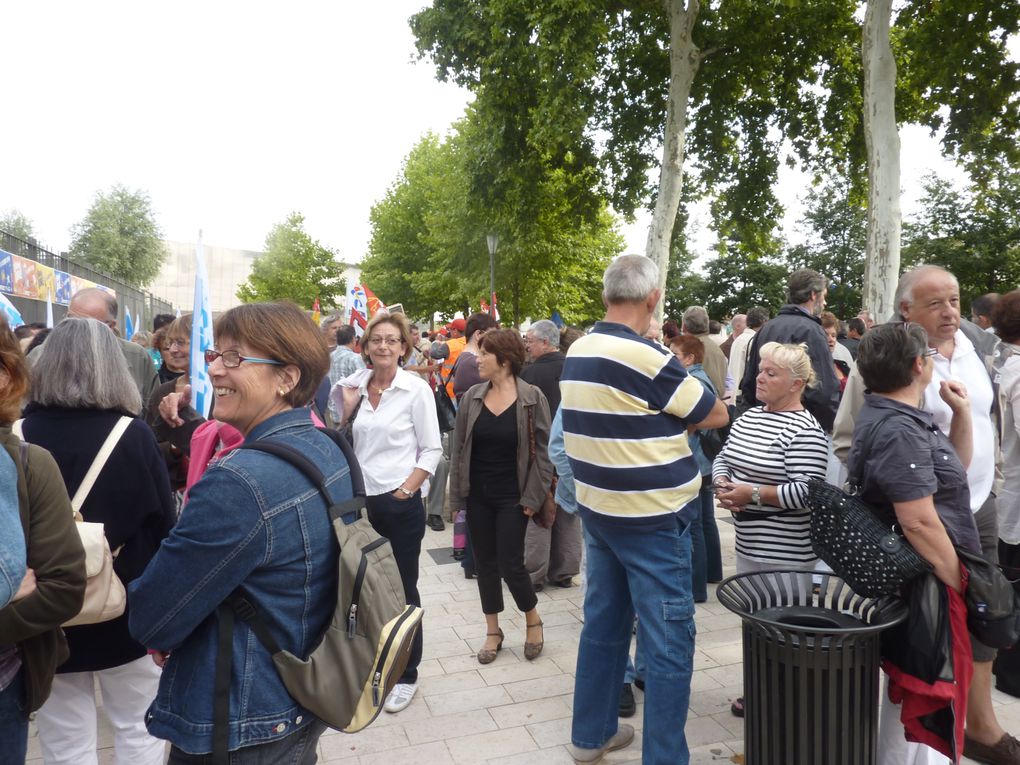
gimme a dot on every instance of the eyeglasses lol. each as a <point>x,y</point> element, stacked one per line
<point>389,342</point>
<point>930,352</point>
<point>233,359</point>
<point>182,344</point>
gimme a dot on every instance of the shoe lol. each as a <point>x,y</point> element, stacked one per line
<point>1006,752</point>
<point>488,655</point>
<point>538,587</point>
<point>400,696</point>
<point>627,704</point>
<point>582,756</point>
<point>639,683</point>
<point>468,574</point>
<point>457,555</point>
<point>737,707</point>
<point>532,650</point>
<point>435,522</point>
<point>564,583</point>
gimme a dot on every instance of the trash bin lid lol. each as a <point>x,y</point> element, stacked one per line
<point>808,602</point>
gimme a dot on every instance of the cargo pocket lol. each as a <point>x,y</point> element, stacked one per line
<point>678,628</point>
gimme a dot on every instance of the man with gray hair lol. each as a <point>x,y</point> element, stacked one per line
<point>737,326</point>
<point>626,407</point>
<point>695,322</point>
<point>94,303</point>
<point>798,322</point>
<point>551,555</point>
<point>930,296</point>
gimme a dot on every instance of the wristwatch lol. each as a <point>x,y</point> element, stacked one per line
<point>405,492</point>
<point>756,496</point>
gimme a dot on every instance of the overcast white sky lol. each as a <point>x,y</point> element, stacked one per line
<point>231,115</point>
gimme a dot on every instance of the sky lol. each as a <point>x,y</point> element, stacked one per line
<point>232,115</point>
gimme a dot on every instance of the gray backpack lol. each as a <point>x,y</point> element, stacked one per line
<point>364,650</point>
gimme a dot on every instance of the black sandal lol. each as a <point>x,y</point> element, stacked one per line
<point>737,707</point>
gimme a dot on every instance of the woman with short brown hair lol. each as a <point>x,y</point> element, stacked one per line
<point>500,469</point>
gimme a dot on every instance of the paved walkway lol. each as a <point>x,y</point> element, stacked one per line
<point>515,712</point>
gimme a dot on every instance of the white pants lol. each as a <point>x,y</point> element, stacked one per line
<point>893,748</point>
<point>67,721</point>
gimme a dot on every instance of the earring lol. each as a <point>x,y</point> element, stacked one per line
<point>282,392</point>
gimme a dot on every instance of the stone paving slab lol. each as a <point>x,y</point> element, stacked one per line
<point>514,712</point>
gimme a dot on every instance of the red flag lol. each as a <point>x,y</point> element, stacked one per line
<point>373,303</point>
<point>495,307</point>
<point>315,311</point>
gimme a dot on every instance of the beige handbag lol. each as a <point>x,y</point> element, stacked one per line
<point>105,596</point>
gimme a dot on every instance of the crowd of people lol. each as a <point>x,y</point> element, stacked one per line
<point>597,457</point>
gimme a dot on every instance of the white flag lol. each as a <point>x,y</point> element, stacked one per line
<point>201,337</point>
<point>49,310</point>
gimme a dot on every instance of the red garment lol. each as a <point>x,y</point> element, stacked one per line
<point>210,439</point>
<point>918,699</point>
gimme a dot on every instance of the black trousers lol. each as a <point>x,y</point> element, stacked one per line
<point>402,521</point>
<point>1007,662</point>
<point>497,528</point>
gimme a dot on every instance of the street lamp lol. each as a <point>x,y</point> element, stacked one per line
<point>492,240</point>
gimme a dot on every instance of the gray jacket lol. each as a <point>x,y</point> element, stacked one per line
<point>534,470</point>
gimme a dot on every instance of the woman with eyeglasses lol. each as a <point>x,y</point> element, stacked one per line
<point>916,477</point>
<point>174,440</point>
<point>253,522</point>
<point>397,442</point>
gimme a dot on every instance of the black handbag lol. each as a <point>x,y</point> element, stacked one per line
<point>446,412</point>
<point>870,555</point>
<point>993,605</point>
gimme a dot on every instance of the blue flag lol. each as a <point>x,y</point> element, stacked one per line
<point>129,326</point>
<point>12,314</point>
<point>201,337</point>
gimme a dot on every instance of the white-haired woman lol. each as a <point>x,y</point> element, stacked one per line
<point>81,388</point>
<point>761,474</point>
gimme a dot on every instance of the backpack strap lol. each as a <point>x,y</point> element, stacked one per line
<point>99,463</point>
<point>237,605</point>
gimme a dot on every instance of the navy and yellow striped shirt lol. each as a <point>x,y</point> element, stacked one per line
<point>626,407</point>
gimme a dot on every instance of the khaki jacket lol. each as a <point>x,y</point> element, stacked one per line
<point>534,476</point>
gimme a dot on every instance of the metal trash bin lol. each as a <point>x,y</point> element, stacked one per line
<point>811,663</point>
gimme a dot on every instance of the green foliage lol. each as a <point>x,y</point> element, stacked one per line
<point>973,232</point>
<point>835,227</point>
<point>119,236</point>
<point>428,247</point>
<point>294,267</point>
<point>16,224</point>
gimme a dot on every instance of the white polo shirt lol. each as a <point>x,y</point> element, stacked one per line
<point>967,366</point>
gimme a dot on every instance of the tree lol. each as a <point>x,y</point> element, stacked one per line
<point>593,86</point>
<point>119,236</point>
<point>972,232</point>
<point>428,246</point>
<point>968,91</point>
<point>834,225</point>
<point>16,224</point>
<point>294,267</point>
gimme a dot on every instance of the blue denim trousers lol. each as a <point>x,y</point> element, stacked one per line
<point>299,748</point>
<point>706,552</point>
<point>648,573</point>
<point>13,721</point>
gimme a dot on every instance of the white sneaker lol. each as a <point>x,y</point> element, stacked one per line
<point>400,697</point>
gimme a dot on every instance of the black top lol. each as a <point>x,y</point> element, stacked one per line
<point>911,458</point>
<point>544,373</point>
<point>494,455</point>
<point>131,497</point>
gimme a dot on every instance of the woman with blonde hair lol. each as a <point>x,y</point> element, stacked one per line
<point>397,442</point>
<point>762,472</point>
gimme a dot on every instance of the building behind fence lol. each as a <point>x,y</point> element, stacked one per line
<point>143,305</point>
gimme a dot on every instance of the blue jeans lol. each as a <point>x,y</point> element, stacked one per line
<point>299,748</point>
<point>13,721</point>
<point>650,573</point>
<point>706,552</point>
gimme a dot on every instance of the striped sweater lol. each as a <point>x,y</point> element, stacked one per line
<point>783,449</point>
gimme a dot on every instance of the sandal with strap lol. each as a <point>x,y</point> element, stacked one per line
<point>532,650</point>
<point>488,655</point>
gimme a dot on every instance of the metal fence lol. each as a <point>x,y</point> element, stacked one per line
<point>143,305</point>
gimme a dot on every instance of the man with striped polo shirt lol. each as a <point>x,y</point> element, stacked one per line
<point>627,406</point>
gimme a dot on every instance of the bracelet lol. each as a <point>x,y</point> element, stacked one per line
<point>405,492</point>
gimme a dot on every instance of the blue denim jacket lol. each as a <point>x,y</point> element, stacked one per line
<point>12,538</point>
<point>252,521</point>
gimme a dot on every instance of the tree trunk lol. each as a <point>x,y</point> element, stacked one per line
<point>882,255</point>
<point>684,60</point>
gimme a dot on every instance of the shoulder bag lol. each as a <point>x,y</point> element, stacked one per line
<point>874,558</point>
<point>105,596</point>
<point>993,613</point>
<point>446,412</point>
